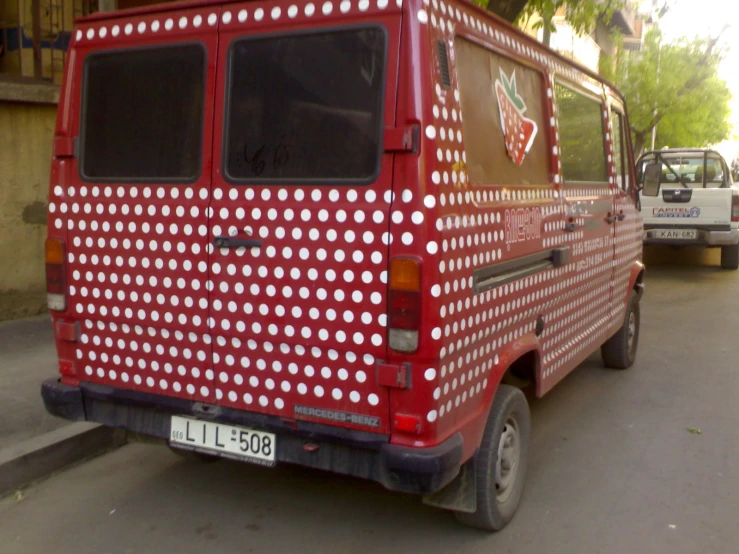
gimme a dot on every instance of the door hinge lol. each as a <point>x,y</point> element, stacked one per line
<point>394,376</point>
<point>401,139</point>
<point>65,147</point>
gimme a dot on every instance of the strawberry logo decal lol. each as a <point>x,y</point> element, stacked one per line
<point>518,131</point>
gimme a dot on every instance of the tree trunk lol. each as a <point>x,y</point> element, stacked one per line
<point>639,138</point>
<point>507,9</point>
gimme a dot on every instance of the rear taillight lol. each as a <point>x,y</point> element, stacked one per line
<point>55,275</point>
<point>404,304</point>
<point>735,207</point>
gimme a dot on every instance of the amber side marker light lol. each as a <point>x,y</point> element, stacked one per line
<point>404,304</point>
<point>55,275</point>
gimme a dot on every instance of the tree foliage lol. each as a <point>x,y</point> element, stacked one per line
<point>581,14</point>
<point>675,87</point>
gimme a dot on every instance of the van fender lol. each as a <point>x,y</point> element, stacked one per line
<point>506,357</point>
<point>636,280</point>
<point>460,494</point>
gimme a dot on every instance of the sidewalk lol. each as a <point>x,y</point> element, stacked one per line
<point>27,357</point>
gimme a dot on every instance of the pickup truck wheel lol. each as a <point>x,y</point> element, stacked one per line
<point>500,464</point>
<point>730,257</point>
<point>619,352</point>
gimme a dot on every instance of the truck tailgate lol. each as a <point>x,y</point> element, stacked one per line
<point>688,207</point>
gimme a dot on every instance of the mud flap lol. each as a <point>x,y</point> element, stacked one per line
<point>460,495</point>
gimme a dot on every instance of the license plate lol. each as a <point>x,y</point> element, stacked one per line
<point>679,234</point>
<point>227,441</point>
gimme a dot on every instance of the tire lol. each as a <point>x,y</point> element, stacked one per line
<point>730,257</point>
<point>508,429</point>
<point>619,352</point>
<point>191,456</point>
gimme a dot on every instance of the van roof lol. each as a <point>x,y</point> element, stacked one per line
<point>189,4</point>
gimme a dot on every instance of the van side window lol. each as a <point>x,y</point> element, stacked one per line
<point>508,150</point>
<point>620,151</point>
<point>306,107</point>
<point>581,138</point>
<point>142,115</point>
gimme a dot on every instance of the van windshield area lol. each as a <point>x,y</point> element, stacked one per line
<point>306,107</point>
<point>693,170</point>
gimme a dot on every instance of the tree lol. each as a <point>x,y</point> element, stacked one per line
<point>676,88</point>
<point>581,14</point>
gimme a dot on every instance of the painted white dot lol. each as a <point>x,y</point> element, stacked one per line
<point>363,5</point>
<point>197,21</point>
<point>226,18</point>
<point>431,132</point>
<point>91,33</point>
<point>292,11</point>
<point>423,17</point>
<point>212,19</point>
<point>373,399</point>
<point>259,15</point>
<point>327,8</point>
<point>310,9</point>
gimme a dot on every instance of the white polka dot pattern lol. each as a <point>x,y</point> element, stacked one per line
<point>302,320</point>
<point>477,226</point>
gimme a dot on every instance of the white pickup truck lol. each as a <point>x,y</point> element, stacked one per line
<point>688,199</point>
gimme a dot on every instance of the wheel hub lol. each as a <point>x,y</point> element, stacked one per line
<point>631,332</point>
<point>506,466</point>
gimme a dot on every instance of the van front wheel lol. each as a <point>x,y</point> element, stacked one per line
<point>730,257</point>
<point>500,464</point>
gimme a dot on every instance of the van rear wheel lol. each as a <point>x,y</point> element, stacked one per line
<point>500,464</point>
<point>619,352</point>
<point>730,257</point>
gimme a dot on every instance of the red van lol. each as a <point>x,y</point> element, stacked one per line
<point>336,234</point>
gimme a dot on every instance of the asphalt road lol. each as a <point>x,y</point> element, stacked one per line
<point>27,357</point>
<point>614,467</point>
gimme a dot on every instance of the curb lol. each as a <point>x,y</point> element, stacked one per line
<point>36,458</point>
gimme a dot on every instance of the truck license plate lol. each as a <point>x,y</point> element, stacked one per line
<point>227,441</point>
<point>680,234</point>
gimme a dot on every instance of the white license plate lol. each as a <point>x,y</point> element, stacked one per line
<point>227,441</point>
<point>679,234</point>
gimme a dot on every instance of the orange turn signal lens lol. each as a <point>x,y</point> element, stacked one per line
<point>405,274</point>
<point>54,251</point>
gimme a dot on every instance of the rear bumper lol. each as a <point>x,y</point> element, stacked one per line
<point>704,238</point>
<point>344,451</point>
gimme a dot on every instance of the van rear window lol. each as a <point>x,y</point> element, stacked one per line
<point>306,107</point>
<point>143,114</point>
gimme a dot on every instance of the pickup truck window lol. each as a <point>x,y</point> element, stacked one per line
<point>694,170</point>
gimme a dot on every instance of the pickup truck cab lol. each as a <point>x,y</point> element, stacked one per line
<point>689,199</point>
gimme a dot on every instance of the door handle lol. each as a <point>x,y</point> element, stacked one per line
<point>233,242</point>
<point>614,218</point>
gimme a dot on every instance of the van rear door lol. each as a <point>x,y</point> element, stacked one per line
<point>136,206</point>
<point>299,227</point>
